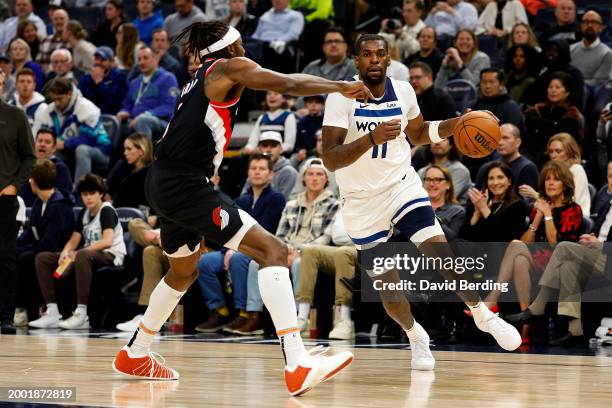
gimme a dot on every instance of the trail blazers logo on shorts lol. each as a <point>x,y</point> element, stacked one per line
<point>220,217</point>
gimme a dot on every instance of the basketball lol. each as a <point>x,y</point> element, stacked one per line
<point>477,134</point>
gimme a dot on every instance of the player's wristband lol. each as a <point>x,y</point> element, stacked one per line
<point>371,136</point>
<point>434,136</point>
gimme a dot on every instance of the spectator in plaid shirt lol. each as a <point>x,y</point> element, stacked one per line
<point>52,42</point>
<point>308,219</point>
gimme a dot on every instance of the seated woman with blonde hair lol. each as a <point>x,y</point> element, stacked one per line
<point>563,147</point>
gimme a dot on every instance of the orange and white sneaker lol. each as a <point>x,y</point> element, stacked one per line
<point>314,368</point>
<point>149,367</point>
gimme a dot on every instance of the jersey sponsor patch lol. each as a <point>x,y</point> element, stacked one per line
<point>220,217</point>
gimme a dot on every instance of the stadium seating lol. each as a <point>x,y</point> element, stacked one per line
<point>462,91</point>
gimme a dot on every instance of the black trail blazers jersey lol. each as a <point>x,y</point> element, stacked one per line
<point>200,130</point>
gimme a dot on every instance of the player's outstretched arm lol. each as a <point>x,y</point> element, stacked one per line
<point>417,130</point>
<point>253,76</point>
<point>337,155</point>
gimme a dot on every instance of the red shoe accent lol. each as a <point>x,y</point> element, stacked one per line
<point>295,379</point>
<point>337,370</point>
<point>147,367</point>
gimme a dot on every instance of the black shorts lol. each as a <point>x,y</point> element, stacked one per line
<point>189,209</point>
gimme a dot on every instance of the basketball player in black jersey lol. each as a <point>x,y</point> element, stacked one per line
<point>178,188</point>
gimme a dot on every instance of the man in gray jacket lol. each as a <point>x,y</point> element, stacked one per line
<point>285,175</point>
<point>16,162</point>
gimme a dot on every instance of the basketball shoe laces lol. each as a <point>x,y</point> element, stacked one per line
<point>155,366</point>
<point>495,324</point>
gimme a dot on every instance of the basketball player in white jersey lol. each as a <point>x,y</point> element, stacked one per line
<point>368,146</point>
<point>178,187</point>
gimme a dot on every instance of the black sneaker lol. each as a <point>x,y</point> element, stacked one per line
<point>7,327</point>
<point>214,323</point>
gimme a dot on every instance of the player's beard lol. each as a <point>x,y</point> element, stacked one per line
<point>374,81</point>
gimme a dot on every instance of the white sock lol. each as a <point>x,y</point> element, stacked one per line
<point>52,309</point>
<point>480,312</point>
<point>345,312</point>
<point>417,332</point>
<point>162,302</point>
<point>82,309</point>
<point>303,310</point>
<point>277,295</point>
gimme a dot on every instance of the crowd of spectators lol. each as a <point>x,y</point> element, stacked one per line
<point>98,96</point>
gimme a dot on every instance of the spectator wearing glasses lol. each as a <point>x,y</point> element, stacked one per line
<point>435,104</point>
<point>61,67</point>
<point>592,57</point>
<point>446,154</point>
<point>335,65</point>
<point>438,183</point>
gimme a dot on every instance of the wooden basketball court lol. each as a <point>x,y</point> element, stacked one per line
<point>251,375</point>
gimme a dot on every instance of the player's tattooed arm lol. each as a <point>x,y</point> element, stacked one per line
<point>336,154</point>
<point>417,130</point>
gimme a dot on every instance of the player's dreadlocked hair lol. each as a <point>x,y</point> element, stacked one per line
<point>202,35</point>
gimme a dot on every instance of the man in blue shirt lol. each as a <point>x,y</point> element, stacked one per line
<point>148,20</point>
<point>151,98</point>
<point>279,27</point>
<point>448,17</point>
<point>104,85</point>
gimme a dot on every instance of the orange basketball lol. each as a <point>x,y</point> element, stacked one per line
<point>477,134</point>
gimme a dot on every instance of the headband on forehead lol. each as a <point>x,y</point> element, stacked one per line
<point>229,38</point>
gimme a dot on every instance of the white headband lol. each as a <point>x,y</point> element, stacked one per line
<point>229,38</point>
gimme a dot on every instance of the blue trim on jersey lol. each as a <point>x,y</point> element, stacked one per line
<point>408,204</point>
<point>384,150</point>
<point>416,220</point>
<point>374,151</point>
<point>377,113</point>
<point>389,95</point>
<point>370,238</point>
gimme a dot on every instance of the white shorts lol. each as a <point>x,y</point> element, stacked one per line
<point>405,206</point>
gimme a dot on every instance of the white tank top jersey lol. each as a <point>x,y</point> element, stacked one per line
<point>383,165</point>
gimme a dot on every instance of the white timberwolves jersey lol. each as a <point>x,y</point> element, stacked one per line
<point>383,165</point>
